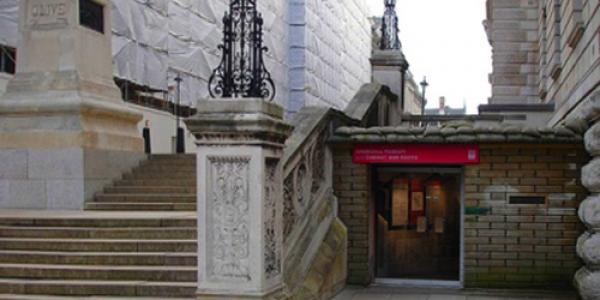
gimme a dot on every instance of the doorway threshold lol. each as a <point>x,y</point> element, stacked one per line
<point>418,283</point>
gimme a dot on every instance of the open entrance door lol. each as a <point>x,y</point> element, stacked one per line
<point>418,223</point>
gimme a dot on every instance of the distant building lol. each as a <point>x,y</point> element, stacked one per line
<point>445,110</point>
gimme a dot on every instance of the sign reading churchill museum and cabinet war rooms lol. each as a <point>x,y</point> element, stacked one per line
<point>416,154</point>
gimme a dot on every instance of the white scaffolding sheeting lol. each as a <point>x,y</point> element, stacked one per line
<point>158,40</point>
<point>9,14</point>
<point>153,42</point>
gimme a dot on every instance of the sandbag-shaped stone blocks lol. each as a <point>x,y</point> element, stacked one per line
<point>587,279</point>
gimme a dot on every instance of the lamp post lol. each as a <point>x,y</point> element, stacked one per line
<point>424,85</point>
<point>403,69</point>
<point>179,143</point>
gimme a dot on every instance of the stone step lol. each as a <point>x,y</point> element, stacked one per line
<point>172,157</point>
<point>98,288</point>
<point>95,272</point>
<point>169,165</point>
<point>166,168</point>
<point>150,189</point>
<point>141,206</point>
<point>99,222</point>
<point>152,175</point>
<point>99,258</point>
<point>98,245</point>
<point>146,198</point>
<point>100,233</point>
<point>157,182</point>
<point>47,297</point>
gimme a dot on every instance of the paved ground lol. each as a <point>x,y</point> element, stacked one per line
<point>386,293</point>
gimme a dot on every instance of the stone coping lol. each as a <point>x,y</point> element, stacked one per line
<point>461,132</point>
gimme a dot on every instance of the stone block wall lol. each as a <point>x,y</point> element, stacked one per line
<point>544,51</point>
<point>351,186</point>
<point>512,28</point>
<point>523,246</point>
<point>330,47</point>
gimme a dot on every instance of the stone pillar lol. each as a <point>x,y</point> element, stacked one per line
<point>64,130</point>
<point>389,68</point>
<point>587,278</point>
<point>240,198</point>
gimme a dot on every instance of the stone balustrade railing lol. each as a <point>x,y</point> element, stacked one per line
<point>310,207</point>
<point>309,204</point>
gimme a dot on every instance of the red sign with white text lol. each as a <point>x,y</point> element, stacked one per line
<point>416,154</point>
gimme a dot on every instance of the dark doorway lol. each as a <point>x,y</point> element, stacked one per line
<point>418,223</point>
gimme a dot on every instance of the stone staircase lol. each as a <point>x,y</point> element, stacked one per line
<point>162,183</point>
<point>137,239</point>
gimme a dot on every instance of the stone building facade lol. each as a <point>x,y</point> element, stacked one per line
<point>546,54</point>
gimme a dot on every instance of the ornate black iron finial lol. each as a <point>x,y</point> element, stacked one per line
<point>389,27</point>
<point>242,71</point>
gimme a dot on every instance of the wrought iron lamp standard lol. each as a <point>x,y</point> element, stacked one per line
<point>179,133</point>
<point>242,72</point>
<point>424,85</point>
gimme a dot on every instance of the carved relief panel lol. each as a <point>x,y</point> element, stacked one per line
<point>272,236</point>
<point>229,207</point>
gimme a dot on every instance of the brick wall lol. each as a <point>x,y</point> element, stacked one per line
<point>351,185</point>
<point>529,246</point>
<point>506,245</point>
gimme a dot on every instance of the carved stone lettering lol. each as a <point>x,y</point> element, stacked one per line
<point>47,13</point>
<point>229,206</point>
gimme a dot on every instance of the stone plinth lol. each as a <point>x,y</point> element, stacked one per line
<point>64,131</point>
<point>389,68</point>
<point>240,198</point>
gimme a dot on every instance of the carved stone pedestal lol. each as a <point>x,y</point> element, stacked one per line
<point>64,131</point>
<point>240,198</point>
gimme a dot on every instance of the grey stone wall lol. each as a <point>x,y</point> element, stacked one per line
<point>330,47</point>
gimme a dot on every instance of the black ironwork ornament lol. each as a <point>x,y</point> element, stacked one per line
<point>389,27</point>
<point>242,72</point>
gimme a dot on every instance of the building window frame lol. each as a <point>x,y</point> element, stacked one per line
<point>92,15</point>
<point>8,59</point>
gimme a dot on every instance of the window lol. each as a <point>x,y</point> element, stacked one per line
<point>91,15</point>
<point>8,56</point>
<point>574,26</point>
